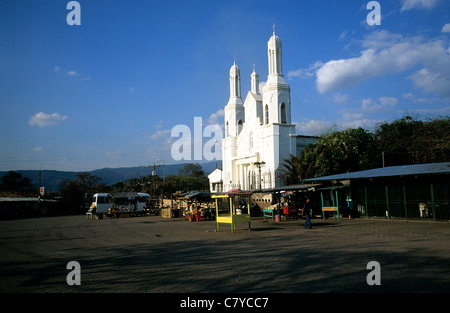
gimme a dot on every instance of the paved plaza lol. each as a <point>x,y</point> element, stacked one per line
<point>156,255</point>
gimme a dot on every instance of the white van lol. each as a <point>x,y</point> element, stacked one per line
<point>101,203</point>
<point>119,204</point>
<point>141,205</point>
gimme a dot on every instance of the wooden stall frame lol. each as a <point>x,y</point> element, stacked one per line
<point>232,218</point>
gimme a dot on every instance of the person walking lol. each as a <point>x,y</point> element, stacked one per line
<point>307,213</point>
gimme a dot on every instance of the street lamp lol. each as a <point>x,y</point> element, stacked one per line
<point>258,164</point>
<point>154,176</point>
<point>164,165</point>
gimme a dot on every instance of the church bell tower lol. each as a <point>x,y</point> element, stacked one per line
<point>276,92</point>
<point>234,110</point>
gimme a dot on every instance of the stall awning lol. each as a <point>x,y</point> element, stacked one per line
<point>194,194</point>
<point>291,188</point>
<point>391,171</point>
<point>129,195</point>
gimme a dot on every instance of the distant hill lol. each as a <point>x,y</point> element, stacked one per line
<point>53,180</point>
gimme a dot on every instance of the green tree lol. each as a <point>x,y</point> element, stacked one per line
<point>191,169</point>
<point>193,177</point>
<point>411,141</point>
<point>14,181</point>
<point>87,181</point>
<point>172,184</point>
<point>294,169</point>
<point>335,152</point>
<point>74,192</point>
<point>404,141</point>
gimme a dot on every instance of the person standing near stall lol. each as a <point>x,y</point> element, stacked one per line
<point>307,212</point>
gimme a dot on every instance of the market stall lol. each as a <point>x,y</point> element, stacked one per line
<point>233,207</point>
<point>197,206</point>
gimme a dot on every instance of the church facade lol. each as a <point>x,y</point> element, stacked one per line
<point>259,132</point>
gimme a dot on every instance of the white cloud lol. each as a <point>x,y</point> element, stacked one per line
<point>362,116</point>
<point>312,127</point>
<point>340,98</point>
<point>161,133</point>
<point>446,28</point>
<point>214,117</point>
<point>418,4</point>
<point>388,101</point>
<point>352,115</point>
<point>73,73</point>
<point>387,53</point>
<point>370,106</point>
<point>160,124</point>
<point>305,73</point>
<point>261,85</point>
<point>42,119</point>
<point>342,35</point>
<point>442,111</point>
<point>38,149</point>
<point>349,120</point>
<point>363,123</point>
<point>414,99</point>
<point>435,82</point>
<point>113,154</point>
<point>345,73</point>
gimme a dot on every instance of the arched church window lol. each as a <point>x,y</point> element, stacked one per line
<point>239,127</point>
<point>267,115</point>
<point>283,113</point>
<point>251,141</point>
<point>226,129</point>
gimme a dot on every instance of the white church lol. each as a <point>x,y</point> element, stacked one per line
<point>259,132</point>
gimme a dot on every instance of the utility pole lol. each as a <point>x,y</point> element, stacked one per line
<point>39,189</point>
<point>39,182</point>
<point>164,169</point>
<point>154,177</point>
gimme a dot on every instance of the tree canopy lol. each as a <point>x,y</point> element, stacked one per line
<point>404,141</point>
<point>413,141</point>
<point>190,177</point>
<point>14,181</point>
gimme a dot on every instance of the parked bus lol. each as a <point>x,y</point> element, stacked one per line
<point>119,204</point>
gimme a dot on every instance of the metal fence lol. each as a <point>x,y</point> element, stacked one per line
<point>421,201</point>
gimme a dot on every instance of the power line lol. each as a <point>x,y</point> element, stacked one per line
<point>71,138</point>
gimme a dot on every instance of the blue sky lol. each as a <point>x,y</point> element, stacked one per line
<point>108,92</point>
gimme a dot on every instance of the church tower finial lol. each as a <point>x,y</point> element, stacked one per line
<point>234,110</point>
<point>255,81</point>
<point>235,81</point>
<point>274,53</point>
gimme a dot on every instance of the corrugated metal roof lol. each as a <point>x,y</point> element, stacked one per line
<point>19,199</point>
<point>129,194</point>
<point>194,194</point>
<point>402,170</point>
<point>290,188</point>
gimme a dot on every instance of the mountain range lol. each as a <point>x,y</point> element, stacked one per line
<point>53,180</point>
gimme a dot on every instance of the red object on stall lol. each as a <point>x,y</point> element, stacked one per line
<point>290,212</point>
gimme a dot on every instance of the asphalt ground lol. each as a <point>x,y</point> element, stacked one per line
<point>155,255</point>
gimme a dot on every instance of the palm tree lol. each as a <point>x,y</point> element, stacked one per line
<point>293,169</point>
